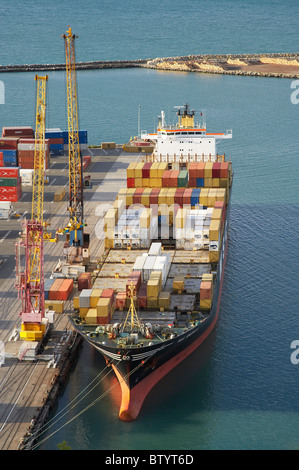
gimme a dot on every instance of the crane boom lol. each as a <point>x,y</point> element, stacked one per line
<point>75,160</point>
<point>30,282</point>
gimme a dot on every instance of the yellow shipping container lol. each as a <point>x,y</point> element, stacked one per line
<point>83,312</point>
<point>205,304</point>
<point>138,183</point>
<point>212,196</point>
<point>157,275</point>
<point>56,305</point>
<point>164,300</point>
<point>145,182</point>
<point>223,183</point>
<point>180,218</point>
<point>76,302</point>
<point>221,194</point>
<point>91,316</point>
<point>119,206</point>
<point>214,230</point>
<point>170,196</point>
<point>122,194</point>
<point>215,182</point>
<point>208,182</point>
<point>103,307</point>
<point>217,214</point>
<point>94,297</point>
<point>203,197</point>
<point>178,283</point>
<point>138,171</point>
<point>207,277</point>
<point>162,199</point>
<point>153,288</point>
<point>145,217</point>
<point>110,218</point>
<point>154,170</point>
<point>208,169</point>
<point>162,167</point>
<point>213,256</point>
<point>109,242</point>
<point>131,170</point>
<point>129,196</point>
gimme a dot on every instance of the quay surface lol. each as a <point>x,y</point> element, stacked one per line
<point>279,65</point>
<point>29,389</point>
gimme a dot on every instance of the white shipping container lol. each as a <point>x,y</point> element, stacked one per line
<point>155,249</point>
<point>5,214</point>
<point>84,298</point>
<point>139,263</point>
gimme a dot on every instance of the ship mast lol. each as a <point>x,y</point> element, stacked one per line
<point>132,315</point>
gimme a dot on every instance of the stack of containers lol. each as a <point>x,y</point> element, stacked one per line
<point>145,175</point>
<point>60,289</point>
<point>83,140</point>
<point>10,184</point>
<point>26,148</point>
<point>209,175</point>
<point>134,282</point>
<point>96,306</point>
<point>55,137</point>
<point>153,289</point>
<point>9,151</point>
<point>206,294</point>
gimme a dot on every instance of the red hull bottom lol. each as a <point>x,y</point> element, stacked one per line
<point>132,400</point>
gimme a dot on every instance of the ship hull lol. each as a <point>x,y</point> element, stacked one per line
<point>139,370</point>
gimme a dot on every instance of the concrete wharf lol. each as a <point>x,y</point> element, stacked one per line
<point>28,389</point>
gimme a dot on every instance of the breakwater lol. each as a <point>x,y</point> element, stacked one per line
<point>280,65</point>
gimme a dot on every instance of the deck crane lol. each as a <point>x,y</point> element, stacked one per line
<point>75,226</point>
<point>30,282</point>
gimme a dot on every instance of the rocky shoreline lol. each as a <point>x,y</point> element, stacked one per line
<point>279,65</point>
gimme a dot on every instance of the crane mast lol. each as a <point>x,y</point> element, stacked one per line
<point>30,282</point>
<point>75,203</point>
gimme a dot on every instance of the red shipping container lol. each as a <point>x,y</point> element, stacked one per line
<point>173,179</point>
<point>165,178</point>
<point>200,170</point>
<point>142,296</point>
<point>130,182</point>
<point>84,281</point>
<point>10,190</point>
<point>135,279</point>
<point>65,289</point>
<point>192,182</point>
<point>18,131</point>
<point>223,169</point>
<point>206,290</point>
<point>146,170</point>
<point>154,196</point>
<point>1,159</point>
<point>187,197</point>
<point>193,170</point>
<point>137,195</point>
<point>104,320</point>
<point>9,143</point>
<point>120,300</point>
<point>216,170</point>
<point>56,141</point>
<point>108,293</point>
<point>178,197</point>
<point>9,172</point>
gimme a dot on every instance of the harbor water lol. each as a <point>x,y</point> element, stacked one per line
<point>242,393</point>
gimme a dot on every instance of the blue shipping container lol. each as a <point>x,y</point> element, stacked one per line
<point>53,135</point>
<point>9,153</point>
<point>9,164</point>
<point>56,146</point>
<point>195,196</point>
<point>47,286</point>
<point>10,160</point>
<point>82,137</point>
<point>200,182</point>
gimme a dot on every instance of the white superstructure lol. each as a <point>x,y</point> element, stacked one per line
<point>186,139</point>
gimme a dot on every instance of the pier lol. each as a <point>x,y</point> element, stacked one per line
<point>278,65</point>
<point>29,386</point>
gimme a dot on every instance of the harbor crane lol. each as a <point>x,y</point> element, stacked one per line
<point>30,281</point>
<point>74,229</point>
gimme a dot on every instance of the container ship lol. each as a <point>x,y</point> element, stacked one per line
<point>157,292</point>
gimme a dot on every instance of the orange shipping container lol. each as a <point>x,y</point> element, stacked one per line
<point>65,289</point>
<point>54,289</point>
<point>206,290</point>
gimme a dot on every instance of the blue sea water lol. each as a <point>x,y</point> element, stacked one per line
<point>243,394</point>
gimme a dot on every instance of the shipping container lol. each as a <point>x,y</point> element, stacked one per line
<point>17,131</point>
<point>9,143</point>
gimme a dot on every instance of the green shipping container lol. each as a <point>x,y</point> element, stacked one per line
<point>183,179</point>
<point>9,182</point>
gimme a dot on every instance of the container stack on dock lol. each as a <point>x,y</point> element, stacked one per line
<point>10,184</point>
